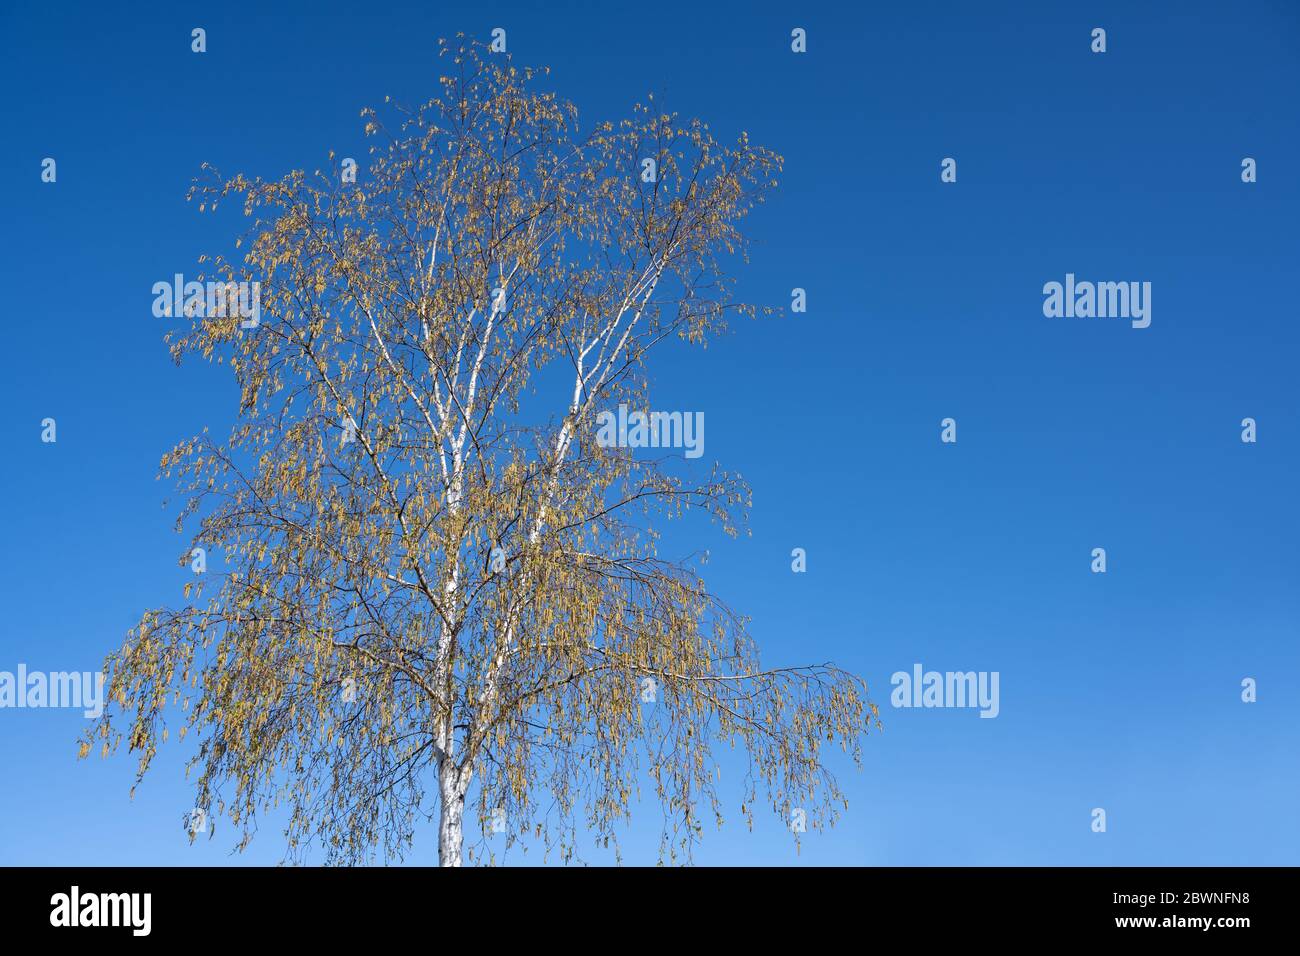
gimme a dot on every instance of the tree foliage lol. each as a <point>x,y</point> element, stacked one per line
<point>438,589</point>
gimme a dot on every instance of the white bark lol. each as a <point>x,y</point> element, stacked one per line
<point>453,783</point>
<point>451,815</point>
<point>454,780</point>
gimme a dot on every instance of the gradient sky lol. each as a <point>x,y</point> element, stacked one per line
<point>1119,691</point>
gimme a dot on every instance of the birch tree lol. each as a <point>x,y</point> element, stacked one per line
<point>432,591</point>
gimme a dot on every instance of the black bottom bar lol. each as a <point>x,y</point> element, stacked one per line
<point>236,904</point>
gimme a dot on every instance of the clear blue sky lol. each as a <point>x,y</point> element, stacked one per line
<point>1119,691</point>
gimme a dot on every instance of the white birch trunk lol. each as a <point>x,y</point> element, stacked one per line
<point>451,815</point>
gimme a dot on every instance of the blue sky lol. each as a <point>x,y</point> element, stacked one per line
<point>1119,691</point>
